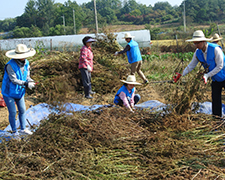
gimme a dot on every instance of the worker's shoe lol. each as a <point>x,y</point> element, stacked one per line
<point>87,93</point>
<point>16,135</point>
<point>91,92</point>
<point>25,132</point>
<point>146,82</point>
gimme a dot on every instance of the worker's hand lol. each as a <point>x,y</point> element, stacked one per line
<point>116,53</point>
<point>30,85</point>
<point>205,77</point>
<point>89,68</point>
<point>177,77</point>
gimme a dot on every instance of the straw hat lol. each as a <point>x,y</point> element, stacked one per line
<point>128,35</point>
<point>216,37</point>
<point>131,80</point>
<point>198,36</point>
<point>20,52</point>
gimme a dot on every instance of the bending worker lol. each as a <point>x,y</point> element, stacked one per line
<point>134,56</point>
<point>212,58</point>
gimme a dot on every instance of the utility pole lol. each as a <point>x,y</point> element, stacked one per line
<point>184,18</point>
<point>74,22</point>
<point>63,22</point>
<point>96,20</point>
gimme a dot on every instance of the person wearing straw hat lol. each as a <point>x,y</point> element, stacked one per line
<point>212,58</point>
<point>15,81</point>
<point>134,56</point>
<point>216,38</point>
<point>126,94</point>
<point>86,65</point>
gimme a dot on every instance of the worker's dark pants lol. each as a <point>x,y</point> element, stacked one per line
<point>86,80</point>
<point>216,97</point>
<point>137,98</point>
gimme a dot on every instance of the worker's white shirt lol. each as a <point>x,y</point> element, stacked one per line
<point>218,60</point>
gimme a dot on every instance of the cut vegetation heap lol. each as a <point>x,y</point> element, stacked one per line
<point>110,143</point>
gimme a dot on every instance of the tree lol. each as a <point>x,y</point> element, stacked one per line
<point>45,14</point>
<point>7,25</point>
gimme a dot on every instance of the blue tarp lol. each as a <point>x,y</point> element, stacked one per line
<point>35,114</point>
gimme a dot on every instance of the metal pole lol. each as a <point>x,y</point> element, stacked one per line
<point>64,22</point>
<point>74,22</point>
<point>184,18</point>
<point>96,21</point>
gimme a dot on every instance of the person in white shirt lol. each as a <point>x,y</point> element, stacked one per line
<point>211,56</point>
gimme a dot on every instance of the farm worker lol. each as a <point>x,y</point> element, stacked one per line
<point>216,38</point>
<point>211,56</point>
<point>134,56</point>
<point>126,94</point>
<point>15,81</point>
<point>86,65</point>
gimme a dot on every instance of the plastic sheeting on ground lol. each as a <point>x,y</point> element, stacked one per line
<point>35,114</point>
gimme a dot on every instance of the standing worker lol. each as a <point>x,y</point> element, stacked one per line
<point>15,81</point>
<point>86,65</point>
<point>134,56</point>
<point>216,38</point>
<point>211,56</point>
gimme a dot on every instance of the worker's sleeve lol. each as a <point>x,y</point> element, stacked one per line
<point>123,97</point>
<point>127,48</point>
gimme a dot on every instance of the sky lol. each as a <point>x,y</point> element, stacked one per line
<point>13,8</point>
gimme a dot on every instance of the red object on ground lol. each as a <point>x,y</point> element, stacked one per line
<point>2,102</point>
<point>177,77</point>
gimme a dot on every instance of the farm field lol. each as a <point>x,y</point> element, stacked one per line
<point>111,143</point>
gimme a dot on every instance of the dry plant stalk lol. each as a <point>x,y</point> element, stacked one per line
<point>184,101</point>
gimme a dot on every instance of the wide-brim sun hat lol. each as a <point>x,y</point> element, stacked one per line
<point>128,35</point>
<point>216,37</point>
<point>21,52</point>
<point>131,80</point>
<point>198,36</point>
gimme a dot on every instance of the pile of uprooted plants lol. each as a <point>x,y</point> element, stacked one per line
<point>110,142</point>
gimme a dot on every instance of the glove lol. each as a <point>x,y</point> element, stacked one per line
<point>89,68</point>
<point>205,77</point>
<point>30,85</point>
<point>177,77</point>
<point>116,53</point>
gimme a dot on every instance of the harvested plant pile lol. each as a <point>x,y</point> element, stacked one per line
<point>58,73</point>
<point>111,144</point>
<point>190,93</point>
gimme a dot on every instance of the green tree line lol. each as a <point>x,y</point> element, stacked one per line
<point>47,18</point>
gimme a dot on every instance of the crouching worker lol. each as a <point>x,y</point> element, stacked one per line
<point>15,81</point>
<point>126,94</point>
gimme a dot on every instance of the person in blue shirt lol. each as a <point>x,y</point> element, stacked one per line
<point>211,56</point>
<point>15,81</point>
<point>134,56</point>
<point>126,96</point>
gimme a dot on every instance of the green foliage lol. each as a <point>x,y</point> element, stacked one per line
<point>47,15</point>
